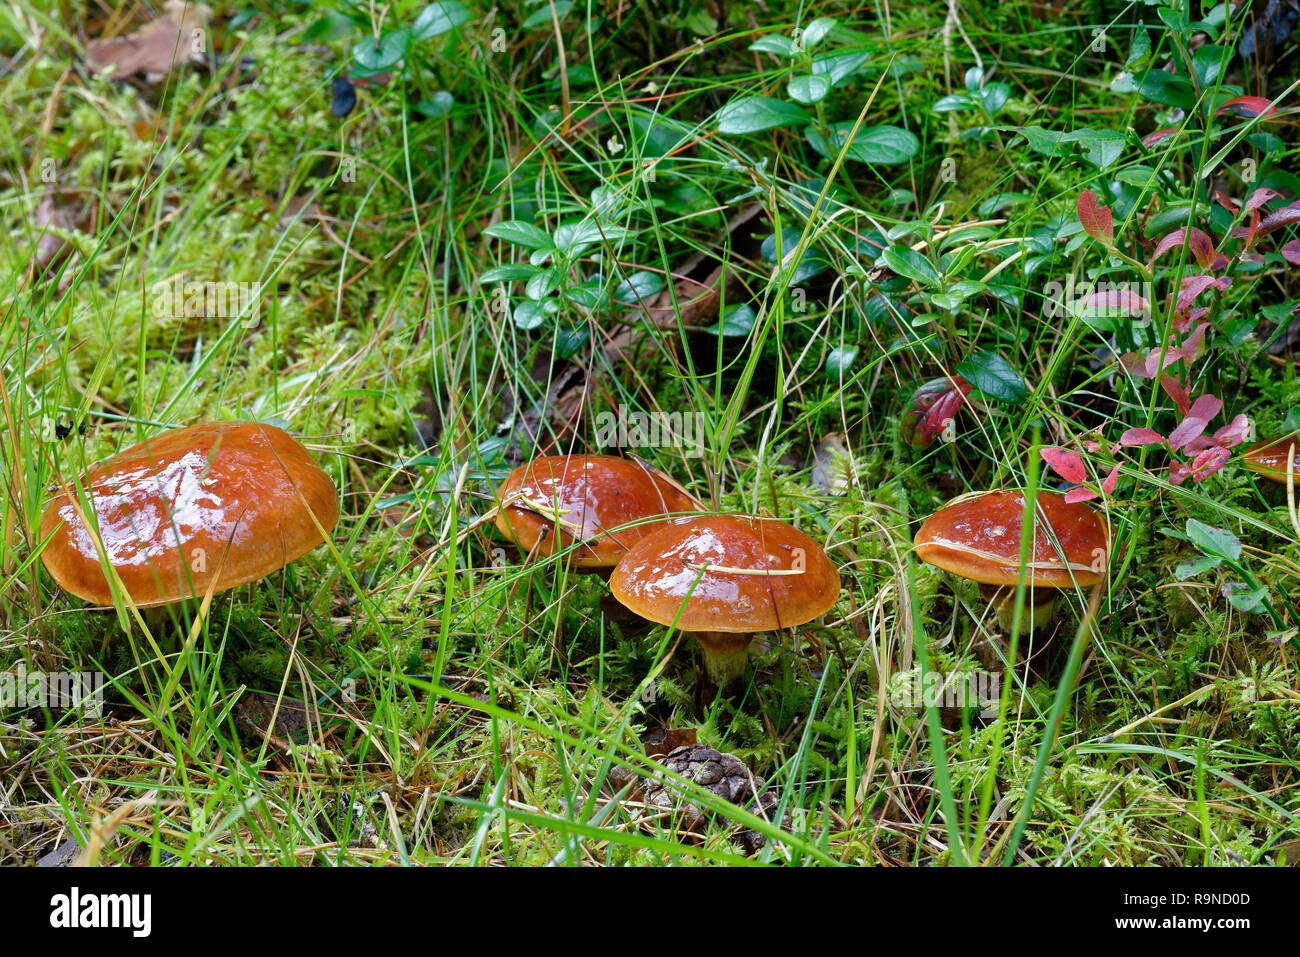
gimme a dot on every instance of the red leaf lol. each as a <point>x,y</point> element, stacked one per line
<point>1178,472</point>
<point>1199,244</point>
<point>1096,219</point>
<point>1279,218</point>
<point>1079,494</point>
<point>1234,433</point>
<point>1260,197</point>
<point>1116,301</point>
<point>1151,139</point>
<point>1065,463</point>
<point>1187,430</point>
<point>1206,407</point>
<point>1108,484</point>
<point>1132,437</point>
<point>1209,462</point>
<point>1176,392</point>
<point>1291,252</point>
<point>1247,106</point>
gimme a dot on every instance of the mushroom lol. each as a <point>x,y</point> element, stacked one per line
<point>604,502</point>
<point>977,537</point>
<point>723,578</point>
<point>189,511</point>
<point>1269,459</point>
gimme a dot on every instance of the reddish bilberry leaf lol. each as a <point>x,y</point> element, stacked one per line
<point>1151,139</point>
<point>1065,463</point>
<point>1176,392</point>
<point>1132,437</point>
<point>1247,106</point>
<point>1208,462</point>
<point>1079,494</point>
<point>1291,252</point>
<point>1096,219</point>
<point>1108,484</point>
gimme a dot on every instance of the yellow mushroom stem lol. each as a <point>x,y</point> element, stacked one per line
<point>725,655</point>
<point>1040,606</point>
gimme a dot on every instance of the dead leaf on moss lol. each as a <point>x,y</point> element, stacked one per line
<point>51,248</point>
<point>179,36</point>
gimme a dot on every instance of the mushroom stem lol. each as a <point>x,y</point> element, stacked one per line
<point>725,655</point>
<point>1040,606</point>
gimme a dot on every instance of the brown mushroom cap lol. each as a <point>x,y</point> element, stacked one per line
<point>978,537</point>
<point>606,497</point>
<point>1269,458</point>
<point>732,595</point>
<point>220,501</point>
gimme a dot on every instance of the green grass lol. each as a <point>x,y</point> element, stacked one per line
<point>473,704</point>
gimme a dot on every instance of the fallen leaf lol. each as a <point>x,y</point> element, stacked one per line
<point>175,38</point>
<point>51,248</point>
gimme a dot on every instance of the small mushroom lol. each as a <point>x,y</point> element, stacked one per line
<point>190,510</point>
<point>977,537</point>
<point>1269,458</point>
<point>604,502</point>
<point>723,578</point>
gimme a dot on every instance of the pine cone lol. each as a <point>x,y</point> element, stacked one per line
<point>723,774</point>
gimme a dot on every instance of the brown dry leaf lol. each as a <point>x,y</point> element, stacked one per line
<point>177,37</point>
<point>51,248</point>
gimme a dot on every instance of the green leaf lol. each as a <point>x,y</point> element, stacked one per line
<point>1196,567</point>
<point>568,341</point>
<point>809,89</point>
<point>910,263</point>
<point>529,315</point>
<point>1214,541</point>
<point>1253,600</point>
<point>993,376</point>
<point>816,31</point>
<point>953,103</point>
<point>877,145</point>
<point>1141,45</point>
<point>439,18</point>
<point>1101,148</point>
<point>509,273</point>
<point>543,284</point>
<point>379,57</point>
<point>521,234</point>
<point>993,97</point>
<point>841,65</point>
<point>543,16</point>
<point>640,285</point>
<point>750,114</point>
<point>736,321</point>
<point>1167,89</point>
<point>774,43</point>
<point>840,360</point>
<point>439,104</point>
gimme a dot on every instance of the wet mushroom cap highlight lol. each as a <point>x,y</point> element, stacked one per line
<point>978,537</point>
<point>222,501</point>
<point>1269,458</point>
<point>733,594</point>
<point>602,500</point>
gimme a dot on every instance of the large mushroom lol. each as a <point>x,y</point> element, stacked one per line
<point>977,537</point>
<point>723,578</point>
<point>193,510</point>
<point>605,503</point>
